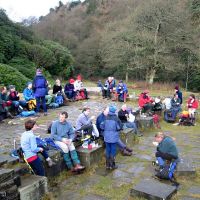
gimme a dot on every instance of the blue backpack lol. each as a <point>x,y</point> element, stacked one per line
<point>167,172</point>
<point>59,100</point>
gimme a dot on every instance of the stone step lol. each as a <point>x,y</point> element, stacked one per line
<point>185,168</point>
<point>153,189</point>
<point>33,187</point>
<point>145,122</point>
<point>6,174</point>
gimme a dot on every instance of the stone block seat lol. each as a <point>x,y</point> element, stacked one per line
<point>128,136</point>
<point>153,189</point>
<point>145,122</point>
<point>33,187</point>
<point>89,157</point>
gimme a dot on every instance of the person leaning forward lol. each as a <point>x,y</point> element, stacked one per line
<point>62,133</point>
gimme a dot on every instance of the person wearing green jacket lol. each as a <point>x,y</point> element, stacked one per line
<point>166,149</point>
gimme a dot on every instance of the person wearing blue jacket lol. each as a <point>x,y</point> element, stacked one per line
<point>40,85</point>
<point>122,91</point>
<point>30,149</point>
<point>126,151</point>
<point>111,127</point>
<point>166,149</point>
<point>62,133</point>
<point>28,92</point>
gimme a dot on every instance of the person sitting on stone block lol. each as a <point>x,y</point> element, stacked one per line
<point>123,115</point>
<point>84,122</point>
<point>62,133</point>
<point>166,149</point>
<point>31,150</point>
<point>126,151</point>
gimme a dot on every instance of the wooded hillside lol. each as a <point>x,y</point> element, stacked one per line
<point>153,40</point>
<point>21,52</point>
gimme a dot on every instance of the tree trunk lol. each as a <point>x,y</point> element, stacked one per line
<point>127,74</point>
<point>150,76</point>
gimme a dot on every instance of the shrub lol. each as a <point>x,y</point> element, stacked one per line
<point>11,76</point>
<point>23,65</point>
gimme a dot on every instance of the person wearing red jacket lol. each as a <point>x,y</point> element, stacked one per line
<point>192,105</point>
<point>145,101</point>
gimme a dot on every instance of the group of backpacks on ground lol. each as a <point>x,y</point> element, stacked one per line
<point>36,96</point>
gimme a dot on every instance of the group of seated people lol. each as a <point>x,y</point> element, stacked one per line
<point>172,106</point>
<point>36,96</point>
<point>109,88</point>
<point>64,135</point>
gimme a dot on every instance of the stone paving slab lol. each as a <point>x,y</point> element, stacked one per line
<point>152,189</point>
<point>6,174</point>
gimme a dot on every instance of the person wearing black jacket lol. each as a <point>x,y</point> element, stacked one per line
<point>123,116</point>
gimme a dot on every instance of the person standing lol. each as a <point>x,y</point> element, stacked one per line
<point>111,127</point>
<point>40,90</point>
<point>179,93</point>
<point>192,105</point>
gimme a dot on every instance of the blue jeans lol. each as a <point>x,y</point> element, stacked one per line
<point>110,149</point>
<point>16,104</point>
<point>38,101</point>
<point>175,111</point>
<point>70,94</point>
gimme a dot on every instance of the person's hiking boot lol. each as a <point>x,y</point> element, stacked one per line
<point>45,114</point>
<point>50,162</point>
<point>113,164</point>
<point>108,163</point>
<point>139,134</point>
<point>126,153</point>
<point>129,149</point>
<point>78,167</point>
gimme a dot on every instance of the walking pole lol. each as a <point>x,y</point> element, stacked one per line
<point>30,168</point>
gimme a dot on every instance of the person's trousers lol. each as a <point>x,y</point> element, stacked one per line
<point>37,167</point>
<point>110,149</point>
<point>120,144</point>
<point>38,103</point>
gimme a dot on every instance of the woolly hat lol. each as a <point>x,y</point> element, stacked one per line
<point>71,81</point>
<point>129,109</point>
<point>112,109</point>
<point>28,83</point>
<point>146,91</point>
<point>11,87</point>
<point>79,77</point>
<point>38,72</point>
<point>176,87</point>
<point>120,81</point>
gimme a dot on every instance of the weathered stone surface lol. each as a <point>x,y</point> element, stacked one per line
<point>145,122</point>
<point>33,187</point>
<point>128,136</point>
<point>3,160</point>
<point>185,168</point>
<point>89,157</point>
<point>152,189</point>
<point>94,91</point>
<point>6,174</point>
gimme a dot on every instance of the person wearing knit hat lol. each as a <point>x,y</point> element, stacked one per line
<point>79,89</point>
<point>69,90</point>
<point>126,151</point>
<point>179,93</point>
<point>40,89</point>
<point>111,127</point>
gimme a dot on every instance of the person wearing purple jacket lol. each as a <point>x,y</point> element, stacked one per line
<point>40,90</point>
<point>69,90</point>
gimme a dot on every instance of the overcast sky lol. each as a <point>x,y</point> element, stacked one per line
<point>17,10</point>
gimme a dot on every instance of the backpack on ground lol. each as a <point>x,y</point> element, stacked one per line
<point>168,116</point>
<point>167,172</point>
<point>59,99</point>
<point>31,104</point>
